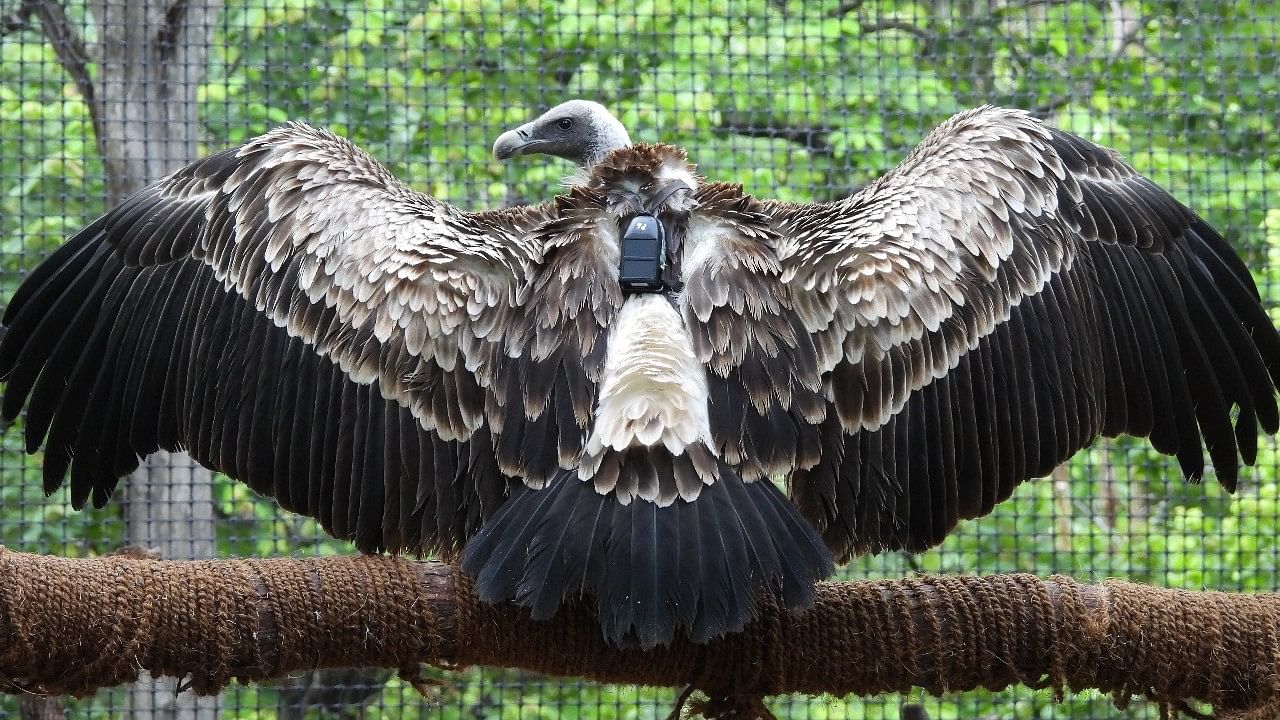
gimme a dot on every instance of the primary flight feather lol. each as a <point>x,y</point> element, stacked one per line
<point>481,384</point>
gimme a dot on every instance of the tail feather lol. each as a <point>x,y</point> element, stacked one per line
<point>509,550</point>
<point>725,567</point>
<point>631,594</point>
<point>810,556</point>
<point>689,558</point>
<point>693,566</point>
<point>547,568</point>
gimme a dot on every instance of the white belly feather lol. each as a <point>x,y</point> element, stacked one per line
<point>653,390</point>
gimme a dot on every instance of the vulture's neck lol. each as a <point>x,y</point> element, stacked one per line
<point>611,136</point>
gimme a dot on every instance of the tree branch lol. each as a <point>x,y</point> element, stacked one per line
<point>845,8</point>
<point>18,20</point>
<point>71,626</point>
<point>928,38</point>
<point>70,49</point>
<point>1124,30</point>
<point>812,138</point>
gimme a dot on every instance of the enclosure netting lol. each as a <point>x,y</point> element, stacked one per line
<point>798,100</point>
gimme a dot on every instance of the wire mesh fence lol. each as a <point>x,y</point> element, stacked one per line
<point>797,100</point>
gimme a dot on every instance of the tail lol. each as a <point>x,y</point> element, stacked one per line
<point>694,565</point>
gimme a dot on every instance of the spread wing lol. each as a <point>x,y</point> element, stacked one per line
<point>991,306</point>
<point>291,315</point>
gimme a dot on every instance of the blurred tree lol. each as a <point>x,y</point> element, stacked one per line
<point>799,100</point>
<point>138,80</point>
<point>333,694</point>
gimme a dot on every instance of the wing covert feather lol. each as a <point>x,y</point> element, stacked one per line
<point>1012,291</point>
<point>292,315</point>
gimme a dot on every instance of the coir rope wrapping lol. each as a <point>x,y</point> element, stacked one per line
<point>72,626</point>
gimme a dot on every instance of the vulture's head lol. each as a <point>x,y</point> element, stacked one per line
<point>578,130</point>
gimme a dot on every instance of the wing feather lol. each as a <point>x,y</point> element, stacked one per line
<point>1007,294</point>
<point>290,314</point>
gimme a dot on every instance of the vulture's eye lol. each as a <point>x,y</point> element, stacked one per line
<point>564,123</point>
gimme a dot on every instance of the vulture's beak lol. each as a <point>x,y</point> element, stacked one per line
<point>515,142</point>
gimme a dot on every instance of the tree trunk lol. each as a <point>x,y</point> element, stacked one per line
<point>35,707</point>
<point>151,57</point>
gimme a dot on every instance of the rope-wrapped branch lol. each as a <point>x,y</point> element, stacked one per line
<point>72,626</point>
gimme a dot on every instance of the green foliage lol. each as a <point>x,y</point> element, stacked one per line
<point>48,160</point>
<point>795,100</point>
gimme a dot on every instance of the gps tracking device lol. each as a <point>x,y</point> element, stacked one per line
<point>644,246</point>
<point>644,255</point>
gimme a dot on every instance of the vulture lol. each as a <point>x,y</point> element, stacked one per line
<point>656,394</point>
